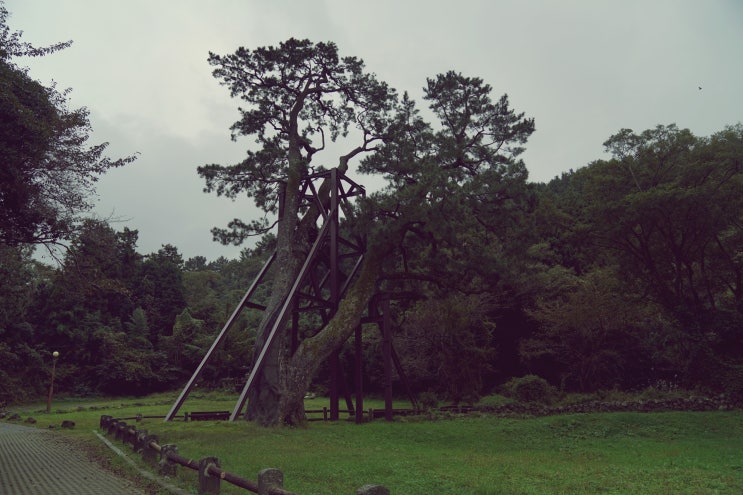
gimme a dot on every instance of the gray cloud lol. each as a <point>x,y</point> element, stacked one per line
<point>582,69</point>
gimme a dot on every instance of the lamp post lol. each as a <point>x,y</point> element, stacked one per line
<point>55,355</point>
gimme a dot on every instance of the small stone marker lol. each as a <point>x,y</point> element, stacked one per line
<point>372,490</point>
<point>269,478</point>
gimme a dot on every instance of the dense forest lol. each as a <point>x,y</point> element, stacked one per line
<point>622,274</point>
<point>625,273</point>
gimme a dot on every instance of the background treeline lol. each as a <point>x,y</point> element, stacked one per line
<point>626,273</point>
<point>123,323</point>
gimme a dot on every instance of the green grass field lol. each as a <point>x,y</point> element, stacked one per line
<point>692,453</point>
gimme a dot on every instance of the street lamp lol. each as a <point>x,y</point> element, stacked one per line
<point>55,355</point>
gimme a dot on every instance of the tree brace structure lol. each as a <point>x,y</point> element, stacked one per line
<point>329,268</point>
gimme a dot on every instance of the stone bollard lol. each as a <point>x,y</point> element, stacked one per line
<point>130,435</point>
<point>149,455</point>
<point>139,441</point>
<point>269,478</point>
<point>112,424</point>
<point>166,466</point>
<point>120,428</point>
<point>105,420</point>
<point>208,485</point>
<point>372,490</point>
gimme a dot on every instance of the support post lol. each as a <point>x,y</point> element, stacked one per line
<point>387,356</point>
<point>139,444</point>
<point>149,454</point>
<point>334,386</point>
<point>334,292</point>
<point>359,375</point>
<point>208,485</point>
<point>112,426</point>
<point>119,433</point>
<point>222,336</point>
<point>105,421</point>
<point>166,466</point>
<point>130,435</point>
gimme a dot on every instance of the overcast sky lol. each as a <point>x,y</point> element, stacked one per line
<point>583,69</point>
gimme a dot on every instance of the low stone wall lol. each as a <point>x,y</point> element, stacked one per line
<point>691,403</point>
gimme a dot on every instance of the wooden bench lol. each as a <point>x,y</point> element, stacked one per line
<point>208,416</point>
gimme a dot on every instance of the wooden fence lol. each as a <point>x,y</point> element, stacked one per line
<point>371,414</point>
<point>166,458</point>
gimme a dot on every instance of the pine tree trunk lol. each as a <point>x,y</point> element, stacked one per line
<point>265,393</point>
<point>277,394</point>
<point>312,352</point>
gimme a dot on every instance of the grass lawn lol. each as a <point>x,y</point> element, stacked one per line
<point>694,453</point>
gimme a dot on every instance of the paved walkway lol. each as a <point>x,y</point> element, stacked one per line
<point>38,462</point>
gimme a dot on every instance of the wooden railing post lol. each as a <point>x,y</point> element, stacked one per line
<point>166,459</point>
<point>105,421</point>
<point>112,425</point>
<point>139,444</point>
<point>166,466</point>
<point>149,454</point>
<point>269,478</point>
<point>119,433</point>
<point>208,485</point>
<point>130,435</point>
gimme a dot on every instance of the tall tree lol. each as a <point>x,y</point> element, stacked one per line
<point>48,169</point>
<point>666,212</point>
<point>21,359</point>
<point>159,290</point>
<point>670,202</point>
<point>87,304</point>
<point>457,209</point>
<point>299,94</point>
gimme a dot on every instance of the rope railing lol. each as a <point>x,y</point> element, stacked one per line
<point>210,474</point>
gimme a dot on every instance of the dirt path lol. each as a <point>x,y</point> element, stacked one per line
<point>38,462</point>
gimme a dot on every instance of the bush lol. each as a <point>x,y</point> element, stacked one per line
<point>530,388</point>
<point>732,383</point>
<point>494,400</point>
<point>428,400</point>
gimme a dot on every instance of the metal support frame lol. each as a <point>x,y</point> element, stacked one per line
<point>389,356</point>
<point>245,301</point>
<point>319,286</point>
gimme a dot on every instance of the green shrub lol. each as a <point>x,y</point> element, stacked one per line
<point>530,388</point>
<point>732,383</point>
<point>428,400</point>
<point>494,400</point>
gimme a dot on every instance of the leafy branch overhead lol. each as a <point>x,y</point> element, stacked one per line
<point>299,96</point>
<point>49,170</point>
